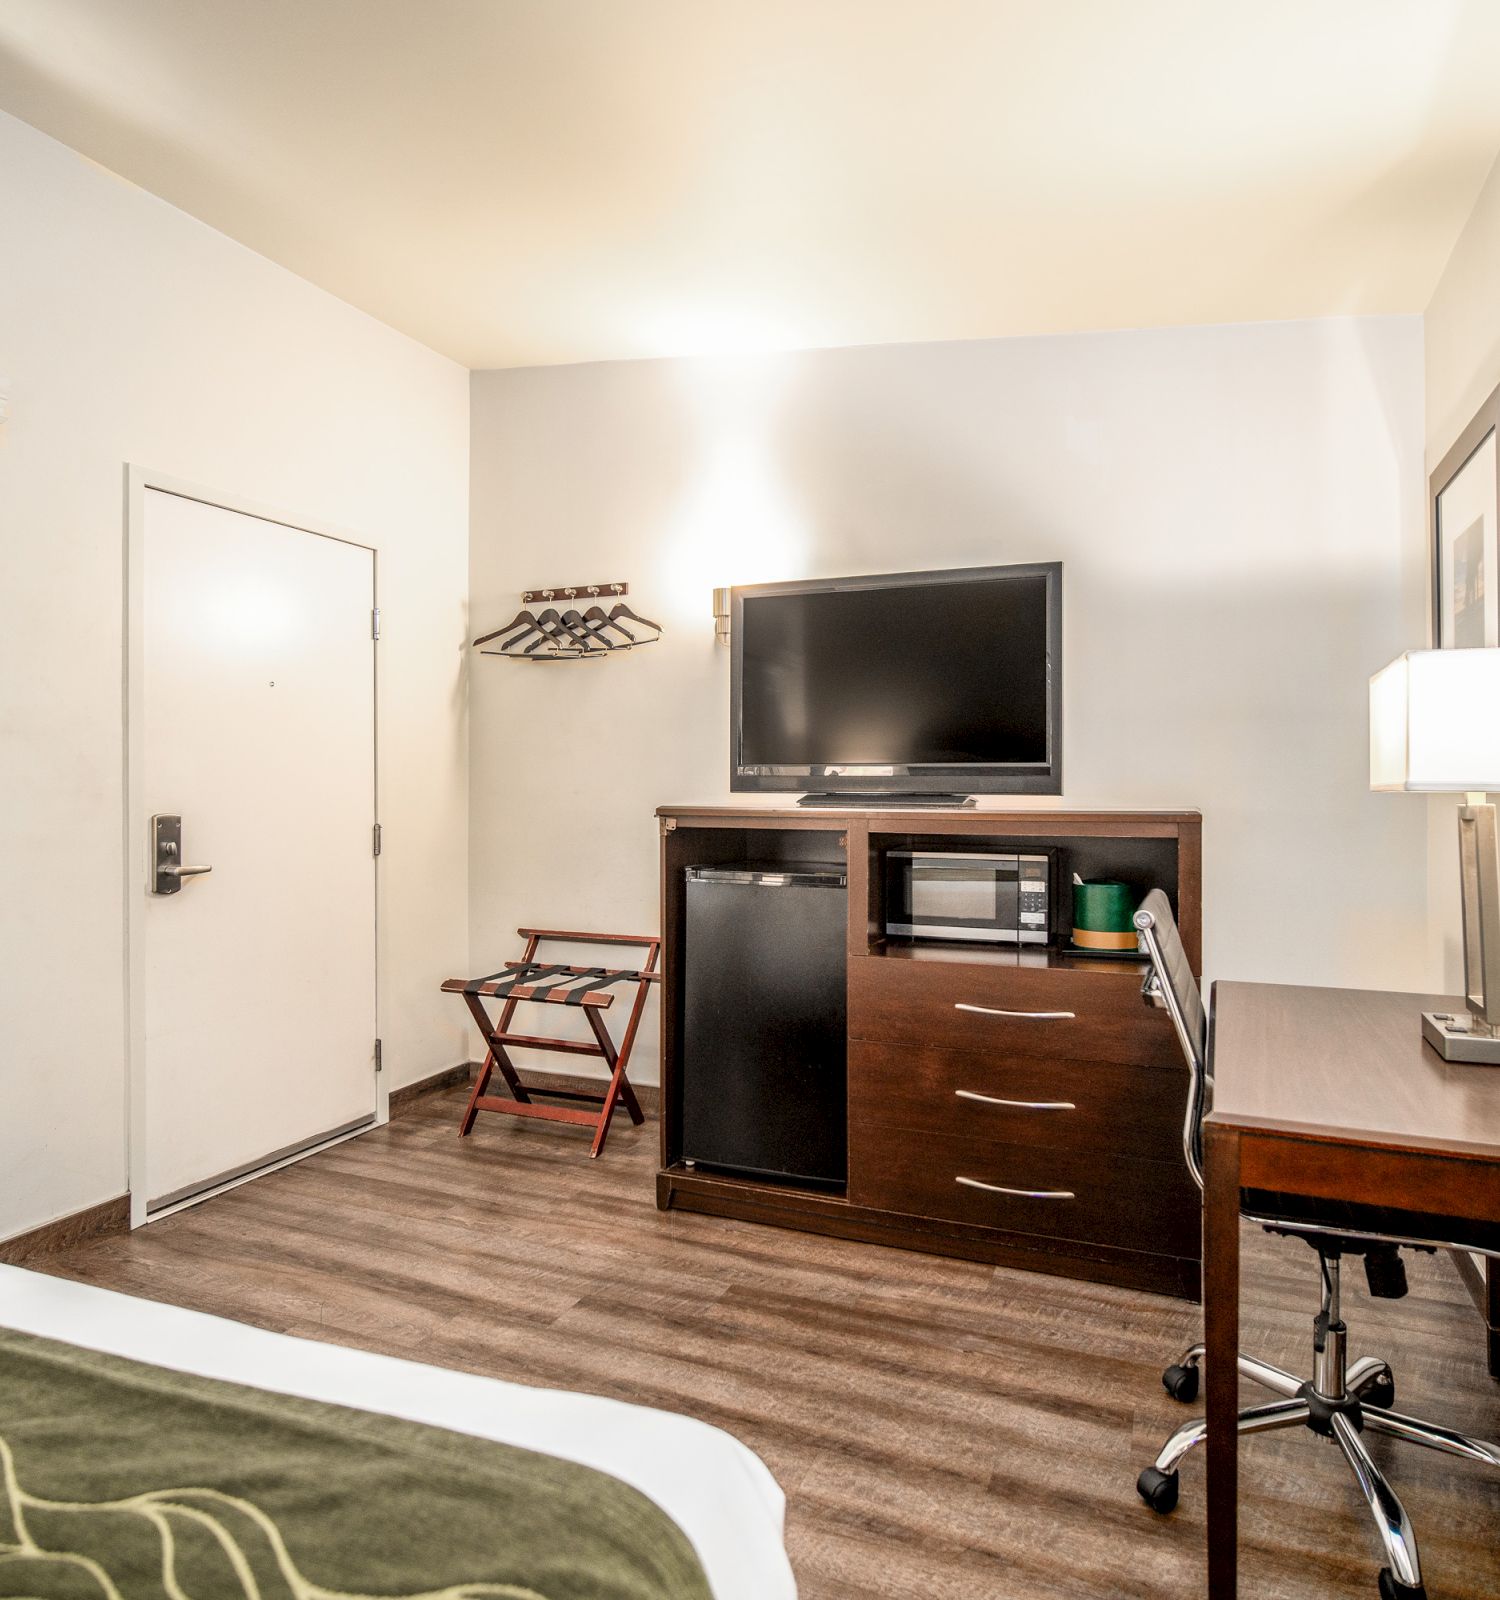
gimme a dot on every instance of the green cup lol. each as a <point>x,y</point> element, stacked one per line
<point>1102,912</point>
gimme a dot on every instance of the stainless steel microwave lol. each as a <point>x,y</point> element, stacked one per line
<point>951,894</point>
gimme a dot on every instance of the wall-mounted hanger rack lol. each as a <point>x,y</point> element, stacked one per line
<point>571,634</point>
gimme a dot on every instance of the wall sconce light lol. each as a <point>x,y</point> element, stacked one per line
<point>721,616</point>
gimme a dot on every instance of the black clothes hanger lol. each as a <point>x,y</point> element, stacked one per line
<point>551,631</point>
<point>510,645</point>
<point>584,634</point>
<point>620,609</point>
<point>597,620</point>
<point>520,618</point>
<point>570,635</point>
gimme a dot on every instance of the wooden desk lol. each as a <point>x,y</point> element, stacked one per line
<point>1329,1093</point>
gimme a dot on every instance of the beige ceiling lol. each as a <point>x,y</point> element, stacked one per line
<point>532,181</point>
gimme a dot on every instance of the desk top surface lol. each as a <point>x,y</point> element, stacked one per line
<point>1349,1064</point>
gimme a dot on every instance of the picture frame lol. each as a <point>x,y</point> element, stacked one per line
<point>1464,512</point>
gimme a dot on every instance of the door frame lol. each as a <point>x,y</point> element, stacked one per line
<point>137,481</point>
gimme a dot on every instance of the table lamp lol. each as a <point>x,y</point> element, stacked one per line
<point>1435,729</point>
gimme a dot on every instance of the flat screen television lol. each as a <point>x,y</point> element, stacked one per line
<point>915,683</point>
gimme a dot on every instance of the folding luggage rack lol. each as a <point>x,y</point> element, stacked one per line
<point>587,989</point>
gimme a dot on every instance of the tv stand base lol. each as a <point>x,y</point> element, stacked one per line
<point>887,802</point>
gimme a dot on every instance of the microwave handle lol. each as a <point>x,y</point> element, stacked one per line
<point>1005,873</point>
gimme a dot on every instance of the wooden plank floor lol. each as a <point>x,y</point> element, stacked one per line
<point>942,1428</point>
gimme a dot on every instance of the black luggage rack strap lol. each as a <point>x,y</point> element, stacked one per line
<point>552,985</point>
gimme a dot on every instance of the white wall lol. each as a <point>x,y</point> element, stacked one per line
<point>1239,510</point>
<point>1462,325</point>
<point>1462,340</point>
<point>131,333</point>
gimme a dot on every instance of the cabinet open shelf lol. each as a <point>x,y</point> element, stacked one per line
<point>1144,862</point>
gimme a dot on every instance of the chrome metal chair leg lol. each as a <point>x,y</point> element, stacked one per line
<point>1391,1521</point>
<point>1259,1419</point>
<point>1363,1370</point>
<point>1429,1434</point>
<point>1269,1377</point>
<point>1258,1371</point>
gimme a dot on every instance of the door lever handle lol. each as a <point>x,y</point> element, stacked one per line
<point>167,870</point>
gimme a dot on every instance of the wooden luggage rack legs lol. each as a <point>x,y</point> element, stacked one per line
<point>587,988</point>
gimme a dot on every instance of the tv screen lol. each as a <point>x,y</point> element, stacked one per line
<point>931,681</point>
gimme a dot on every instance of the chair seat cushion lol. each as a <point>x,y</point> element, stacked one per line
<point>1333,1216</point>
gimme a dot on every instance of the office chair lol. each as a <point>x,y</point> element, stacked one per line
<point>1340,1401</point>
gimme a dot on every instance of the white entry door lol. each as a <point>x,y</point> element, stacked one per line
<point>257,712</point>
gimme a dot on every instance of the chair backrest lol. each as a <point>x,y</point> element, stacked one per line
<point>1172,986</point>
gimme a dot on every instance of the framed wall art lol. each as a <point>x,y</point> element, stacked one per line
<point>1465,501</point>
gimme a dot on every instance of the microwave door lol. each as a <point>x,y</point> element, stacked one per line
<point>964,899</point>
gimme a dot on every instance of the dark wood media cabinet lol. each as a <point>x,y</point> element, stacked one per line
<point>1106,1149</point>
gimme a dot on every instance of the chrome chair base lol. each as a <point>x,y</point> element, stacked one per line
<point>1340,1402</point>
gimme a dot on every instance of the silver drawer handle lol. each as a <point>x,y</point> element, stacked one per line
<point>1025,1194</point>
<point>1020,1105</point>
<point>1042,1016</point>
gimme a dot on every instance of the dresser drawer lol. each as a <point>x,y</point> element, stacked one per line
<point>1080,1195</point>
<point>1076,1013</point>
<point>1086,1105</point>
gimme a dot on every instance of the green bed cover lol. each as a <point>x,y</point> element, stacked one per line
<point>120,1481</point>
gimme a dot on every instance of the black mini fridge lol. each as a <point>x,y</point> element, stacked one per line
<point>764,1003</point>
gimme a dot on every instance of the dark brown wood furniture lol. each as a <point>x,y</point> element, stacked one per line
<point>1076,1098</point>
<point>587,988</point>
<point>1332,1094</point>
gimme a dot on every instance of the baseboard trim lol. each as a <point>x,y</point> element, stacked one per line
<point>404,1098</point>
<point>93,1222</point>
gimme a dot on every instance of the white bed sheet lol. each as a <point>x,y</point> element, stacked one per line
<point>720,1493</point>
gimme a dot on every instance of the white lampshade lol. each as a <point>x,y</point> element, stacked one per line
<point>1435,722</point>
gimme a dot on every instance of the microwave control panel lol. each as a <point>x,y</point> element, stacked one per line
<point>1032,911</point>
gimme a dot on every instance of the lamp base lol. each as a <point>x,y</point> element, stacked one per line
<point>1456,1037</point>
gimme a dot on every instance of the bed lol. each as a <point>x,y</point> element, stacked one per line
<point>713,1497</point>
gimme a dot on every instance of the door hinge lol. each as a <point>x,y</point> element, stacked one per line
<point>375,840</point>
<point>378,1066</point>
<point>375,623</point>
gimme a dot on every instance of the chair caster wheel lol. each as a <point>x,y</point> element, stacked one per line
<point>1181,1383</point>
<point>1392,1589</point>
<point>1381,1393</point>
<point>1158,1489</point>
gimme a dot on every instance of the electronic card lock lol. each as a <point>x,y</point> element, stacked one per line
<point>167,870</point>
